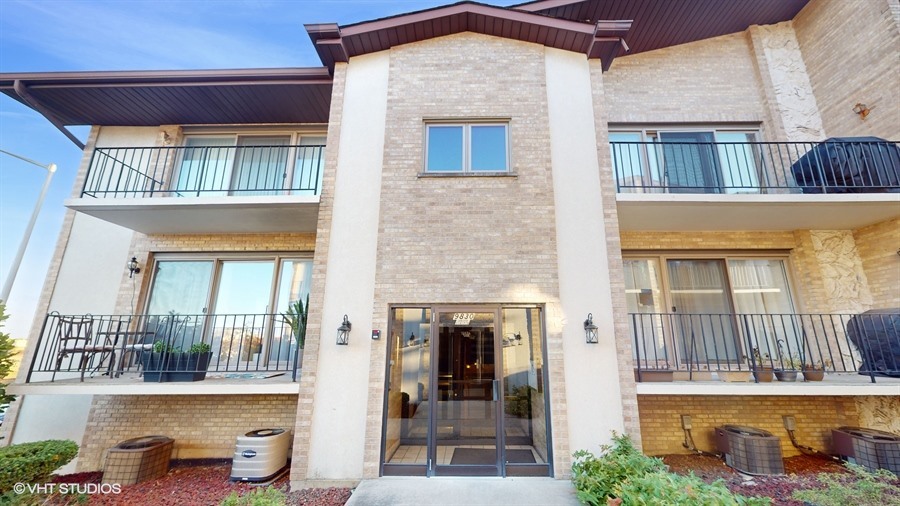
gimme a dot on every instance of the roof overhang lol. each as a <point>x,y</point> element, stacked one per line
<point>336,43</point>
<point>185,97</point>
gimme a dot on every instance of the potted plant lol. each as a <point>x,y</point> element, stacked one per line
<point>790,367</point>
<point>155,361</point>
<point>762,367</point>
<point>815,371</point>
<point>190,365</point>
<point>296,317</point>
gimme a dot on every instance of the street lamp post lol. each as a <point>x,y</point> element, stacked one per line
<point>14,268</point>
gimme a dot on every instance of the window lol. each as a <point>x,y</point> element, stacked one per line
<point>466,147</point>
<point>694,300</point>
<point>687,160</point>
<point>232,302</point>
<point>246,165</point>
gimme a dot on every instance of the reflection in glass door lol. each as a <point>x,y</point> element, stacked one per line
<point>242,305</point>
<point>466,393</point>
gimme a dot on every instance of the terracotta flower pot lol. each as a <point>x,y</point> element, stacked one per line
<point>764,375</point>
<point>813,374</point>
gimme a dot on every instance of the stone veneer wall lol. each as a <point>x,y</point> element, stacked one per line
<point>882,413</point>
<point>878,247</point>
<point>467,239</point>
<point>815,415</point>
<point>850,48</point>
<point>203,426</point>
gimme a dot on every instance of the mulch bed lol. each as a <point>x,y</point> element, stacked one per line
<point>200,485</point>
<point>800,474</point>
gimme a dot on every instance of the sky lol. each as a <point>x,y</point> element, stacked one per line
<point>78,35</point>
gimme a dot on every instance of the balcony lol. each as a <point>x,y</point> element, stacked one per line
<point>129,354</point>
<point>688,186</point>
<point>205,189</point>
<point>855,352</point>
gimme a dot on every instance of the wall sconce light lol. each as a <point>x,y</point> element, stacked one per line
<point>412,339</point>
<point>343,332</point>
<point>590,330</point>
<point>862,109</point>
<point>133,267</point>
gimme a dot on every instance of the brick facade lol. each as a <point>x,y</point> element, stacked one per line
<point>815,415</point>
<point>878,247</point>
<point>203,426</point>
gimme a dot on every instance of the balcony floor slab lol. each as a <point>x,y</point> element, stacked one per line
<point>229,383</point>
<point>834,384</point>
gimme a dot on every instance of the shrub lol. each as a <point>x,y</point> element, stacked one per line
<point>861,487</point>
<point>199,348</point>
<point>676,490</point>
<point>269,496</point>
<point>33,462</point>
<point>7,354</point>
<point>596,477</point>
<point>623,475</point>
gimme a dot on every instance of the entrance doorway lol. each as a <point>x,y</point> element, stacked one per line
<point>465,392</point>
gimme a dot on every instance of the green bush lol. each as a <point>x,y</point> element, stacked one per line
<point>33,462</point>
<point>861,487</point>
<point>622,472</point>
<point>269,496</point>
<point>7,354</point>
<point>675,490</point>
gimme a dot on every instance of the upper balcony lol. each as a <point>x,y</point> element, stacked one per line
<point>205,188</point>
<point>687,186</point>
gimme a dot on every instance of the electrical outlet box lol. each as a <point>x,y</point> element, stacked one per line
<point>686,422</point>
<point>790,423</point>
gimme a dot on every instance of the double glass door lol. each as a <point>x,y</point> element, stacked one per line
<point>465,393</point>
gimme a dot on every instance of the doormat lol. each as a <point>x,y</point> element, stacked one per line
<point>487,457</point>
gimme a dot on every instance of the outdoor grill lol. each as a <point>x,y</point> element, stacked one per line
<point>750,450</point>
<point>139,459</point>
<point>870,448</point>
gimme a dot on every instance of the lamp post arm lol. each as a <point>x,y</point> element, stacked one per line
<point>14,268</point>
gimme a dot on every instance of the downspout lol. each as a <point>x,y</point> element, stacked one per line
<point>22,91</point>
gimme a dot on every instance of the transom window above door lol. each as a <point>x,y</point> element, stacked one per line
<point>246,165</point>
<point>688,159</point>
<point>467,148</point>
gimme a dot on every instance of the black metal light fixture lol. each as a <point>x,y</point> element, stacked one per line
<point>343,332</point>
<point>133,267</point>
<point>412,339</point>
<point>590,330</point>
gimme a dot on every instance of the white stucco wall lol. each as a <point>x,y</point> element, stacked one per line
<point>593,398</point>
<point>53,417</point>
<point>339,420</point>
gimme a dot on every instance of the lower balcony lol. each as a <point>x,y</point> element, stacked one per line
<point>159,354</point>
<point>767,354</point>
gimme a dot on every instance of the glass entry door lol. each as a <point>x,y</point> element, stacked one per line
<point>466,393</point>
<point>467,390</point>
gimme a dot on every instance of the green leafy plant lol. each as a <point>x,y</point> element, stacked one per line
<point>199,348</point>
<point>295,317</point>
<point>160,346</point>
<point>7,354</point>
<point>269,496</point>
<point>518,403</point>
<point>623,475</point>
<point>33,462</point>
<point>860,487</point>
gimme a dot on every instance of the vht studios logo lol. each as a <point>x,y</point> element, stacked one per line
<point>67,488</point>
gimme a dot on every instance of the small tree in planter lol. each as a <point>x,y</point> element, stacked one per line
<point>296,318</point>
<point>190,365</point>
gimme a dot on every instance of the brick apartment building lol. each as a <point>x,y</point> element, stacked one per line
<point>480,192</point>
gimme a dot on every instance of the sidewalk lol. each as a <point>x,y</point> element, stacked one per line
<point>396,491</point>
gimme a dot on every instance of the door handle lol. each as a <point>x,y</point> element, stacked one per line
<point>495,386</point>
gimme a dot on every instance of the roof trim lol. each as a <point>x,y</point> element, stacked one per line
<point>182,77</point>
<point>22,91</point>
<point>336,43</point>
<point>539,5</point>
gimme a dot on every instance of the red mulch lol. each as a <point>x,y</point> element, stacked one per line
<point>194,485</point>
<point>800,473</point>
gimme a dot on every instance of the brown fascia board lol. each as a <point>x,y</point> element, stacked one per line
<point>541,5</point>
<point>166,77</point>
<point>328,37</point>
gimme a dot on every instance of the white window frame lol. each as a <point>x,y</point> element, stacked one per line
<point>466,146</point>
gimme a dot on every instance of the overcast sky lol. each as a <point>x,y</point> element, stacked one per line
<point>67,35</point>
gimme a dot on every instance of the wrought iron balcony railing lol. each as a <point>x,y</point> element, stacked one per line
<point>831,166</point>
<point>194,171</point>
<point>112,345</point>
<point>867,343</point>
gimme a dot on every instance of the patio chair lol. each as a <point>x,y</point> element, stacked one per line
<point>75,336</point>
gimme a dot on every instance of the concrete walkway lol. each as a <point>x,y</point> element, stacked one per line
<point>396,491</point>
